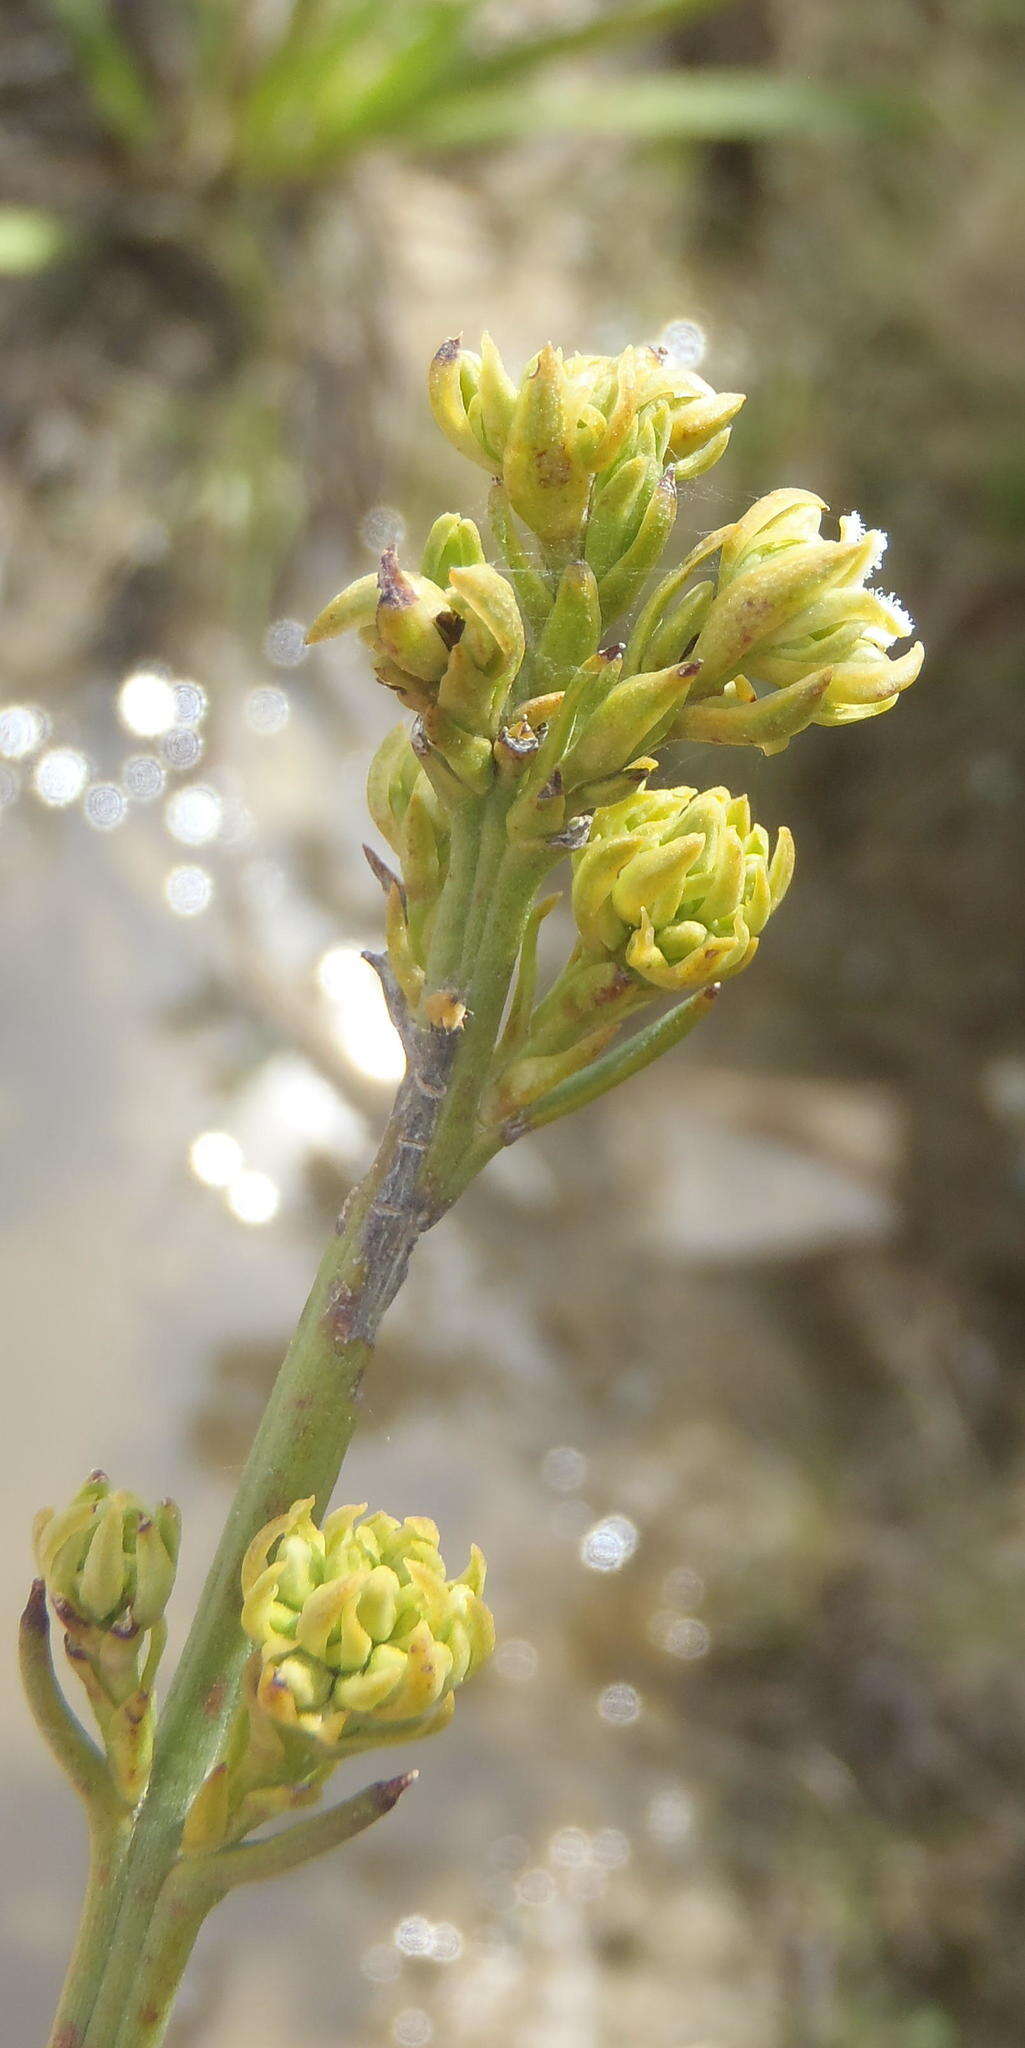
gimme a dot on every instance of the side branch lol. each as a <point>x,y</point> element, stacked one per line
<point>309,1838</point>
<point>623,1060</point>
<point>77,1755</point>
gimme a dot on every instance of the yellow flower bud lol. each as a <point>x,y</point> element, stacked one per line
<point>677,885</point>
<point>353,609</point>
<point>453,543</point>
<point>790,606</point>
<point>699,417</point>
<point>485,659</point>
<point>544,466</point>
<point>620,716</point>
<point>362,1638</point>
<point>109,1564</point>
<point>107,1559</point>
<point>410,621</point>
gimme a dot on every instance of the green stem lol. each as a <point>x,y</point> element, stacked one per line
<point>185,1899</point>
<point>109,1820</point>
<point>305,1432</point>
<point>313,1409</point>
<point>507,881</point>
<point>77,1755</point>
<point>107,1849</point>
<point>253,1861</point>
<point>195,1885</point>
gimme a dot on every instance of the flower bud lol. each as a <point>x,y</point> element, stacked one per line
<point>485,659</point>
<point>406,621</point>
<point>391,779</point>
<point>453,543</point>
<point>362,1639</point>
<point>629,714</point>
<point>791,606</point>
<point>678,885</point>
<point>618,506</point>
<point>106,1558</point>
<point>353,609</point>
<point>410,816</point>
<point>625,579</point>
<point>109,1565</point>
<point>698,417</point>
<point>453,384</point>
<point>544,466</point>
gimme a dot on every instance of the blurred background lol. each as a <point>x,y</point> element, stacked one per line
<point>725,1374</point>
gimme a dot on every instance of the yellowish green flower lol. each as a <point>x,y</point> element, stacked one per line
<point>572,418</point>
<point>792,607</point>
<point>107,1559</point>
<point>362,1638</point>
<point>677,885</point>
<point>108,1563</point>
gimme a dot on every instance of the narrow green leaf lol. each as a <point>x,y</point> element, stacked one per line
<point>118,90</point>
<point>708,105</point>
<point>620,24</point>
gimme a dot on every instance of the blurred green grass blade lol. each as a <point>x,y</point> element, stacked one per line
<point>360,76</point>
<point>707,105</point>
<point>307,68</point>
<point>116,86</point>
<point>30,239</point>
<point>619,24</point>
<point>409,80</point>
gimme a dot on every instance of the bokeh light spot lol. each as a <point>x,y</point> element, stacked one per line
<point>609,1545</point>
<point>143,778</point>
<point>146,703</point>
<point>284,643</point>
<point>563,1468</point>
<point>619,1705</point>
<point>267,711</point>
<point>517,1660</point>
<point>194,815</point>
<point>253,1197</point>
<point>188,891</point>
<point>362,1027</point>
<point>216,1158</point>
<point>60,776</point>
<point>23,728</point>
<point>105,806</point>
<point>181,748</point>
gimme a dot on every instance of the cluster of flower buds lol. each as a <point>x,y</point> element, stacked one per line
<point>108,1563</point>
<point>361,1640</point>
<point>524,700</point>
<point>587,451</point>
<point>789,614</point>
<point>670,893</point>
<point>585,442</point>
<point>678,884</point>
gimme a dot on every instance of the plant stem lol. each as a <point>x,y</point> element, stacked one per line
<point>196,1885</point>
<point>107,1847</point>
<point>302,1440</point>
<point>313,1409</point>
<point>109,1820</point>
<point>251,1862</point>
<point>507,879</point>
<point>75,1751</point>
